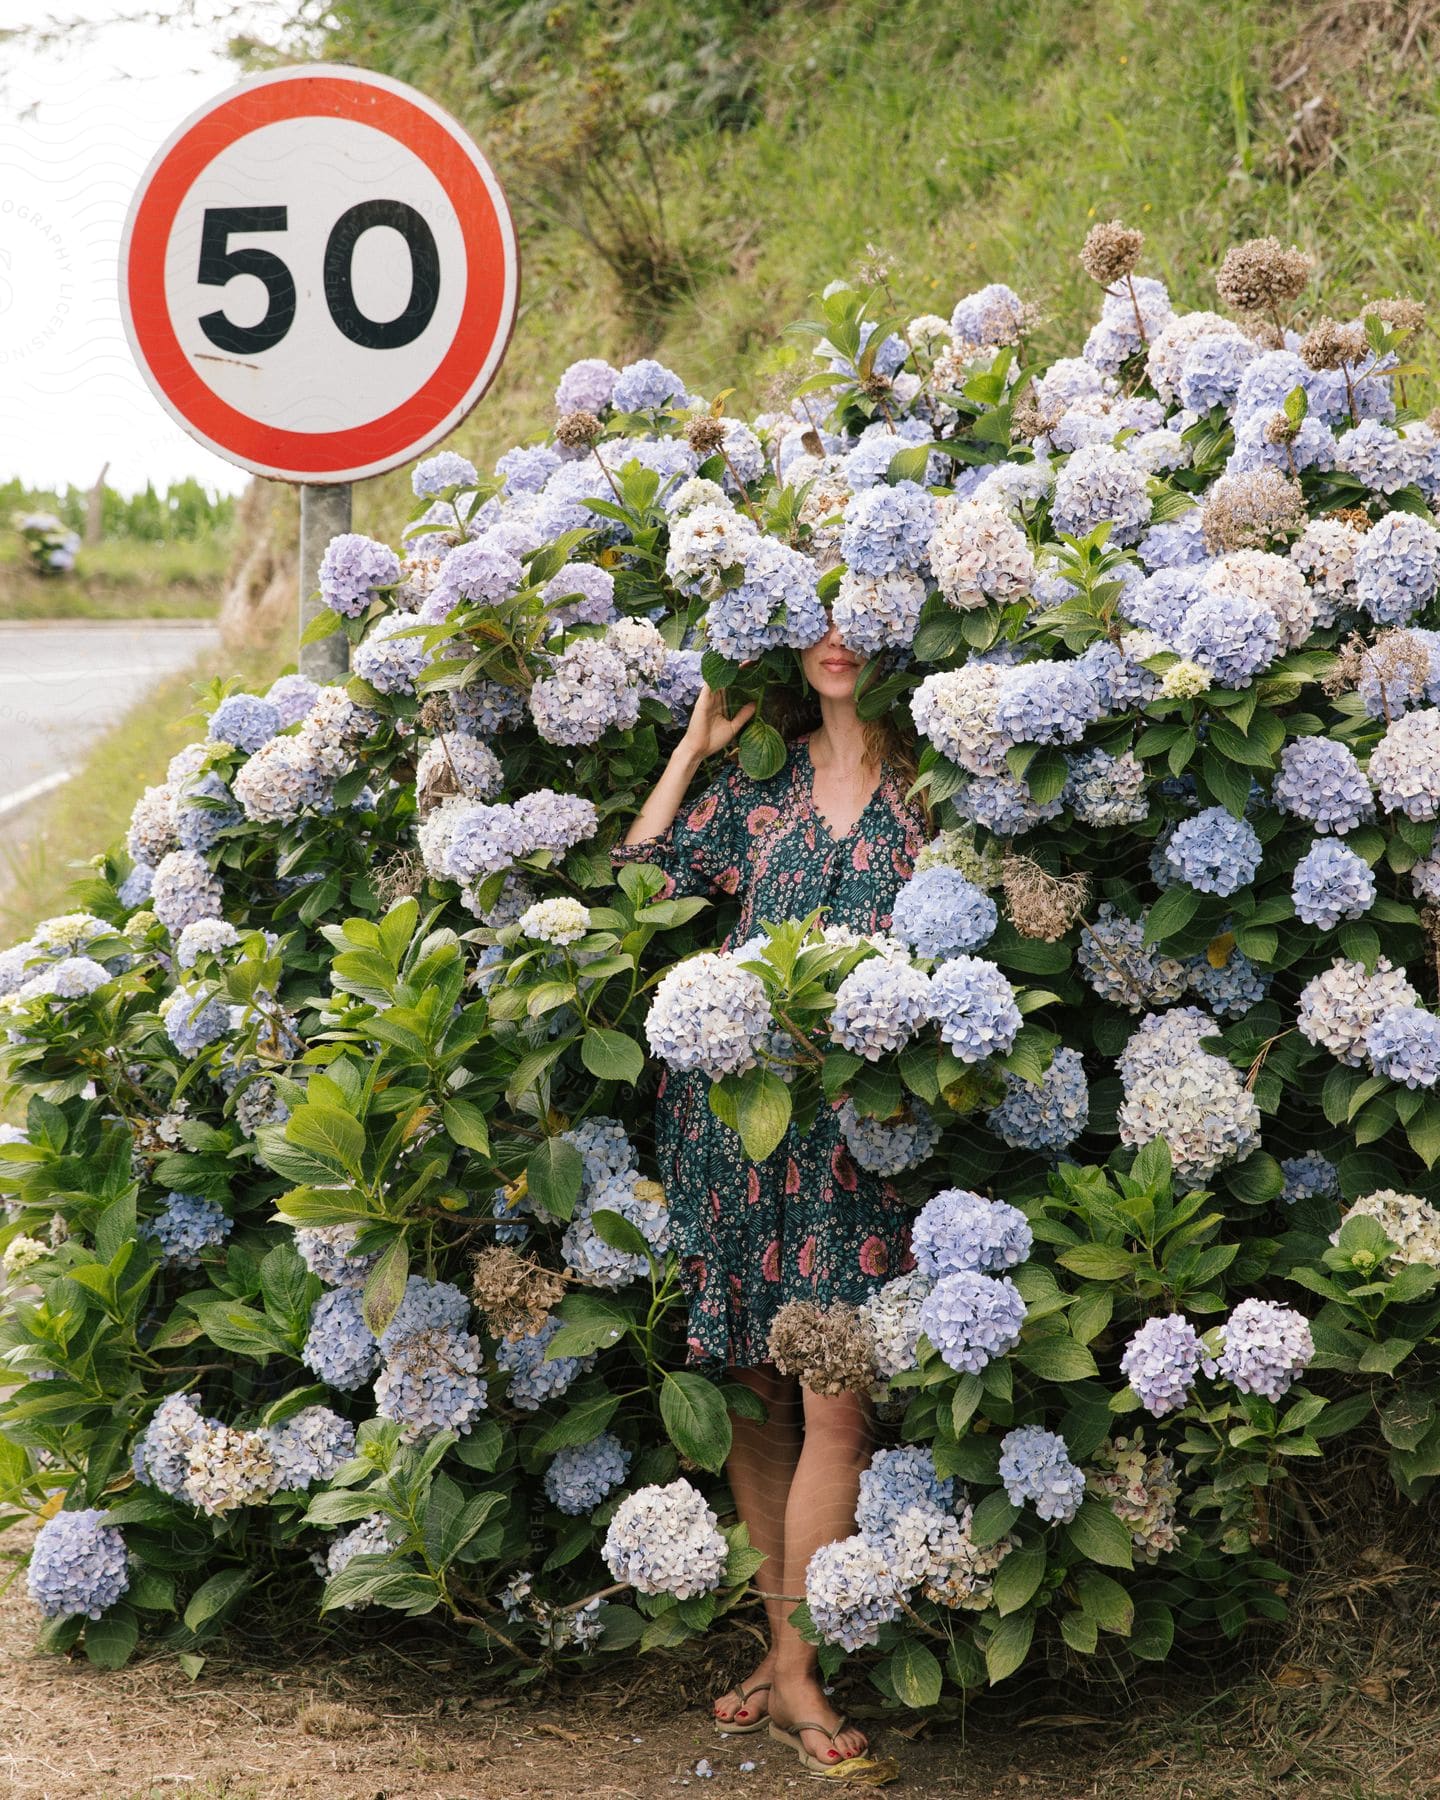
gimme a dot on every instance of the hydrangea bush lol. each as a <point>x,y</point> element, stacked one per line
<point>333,1242</point>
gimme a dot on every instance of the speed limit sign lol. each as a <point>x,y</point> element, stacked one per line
<point>318,274</point>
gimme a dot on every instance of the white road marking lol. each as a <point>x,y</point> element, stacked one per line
<point>23,796</point>
<point>35,677</point>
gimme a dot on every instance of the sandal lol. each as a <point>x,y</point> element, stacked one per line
<point>728,1727</point>
<point>868,1770</point>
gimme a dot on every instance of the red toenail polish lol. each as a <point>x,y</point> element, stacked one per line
<point>742,1714</point>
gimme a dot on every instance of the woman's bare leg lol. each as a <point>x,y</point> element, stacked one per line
<point>760,1466</point>
<point>839,1434</point>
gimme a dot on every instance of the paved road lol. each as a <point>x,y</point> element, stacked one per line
<point>61,686</point>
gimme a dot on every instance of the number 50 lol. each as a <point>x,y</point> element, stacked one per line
<point>219,265</point>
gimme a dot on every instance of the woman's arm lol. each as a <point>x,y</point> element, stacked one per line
<point>708,731</point>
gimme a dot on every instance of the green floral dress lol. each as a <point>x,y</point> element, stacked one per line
<point>808,1222</point>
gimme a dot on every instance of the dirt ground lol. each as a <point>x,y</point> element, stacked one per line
<point>1341,1706</point>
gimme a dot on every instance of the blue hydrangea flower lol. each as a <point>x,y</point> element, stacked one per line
<point>939,913</point>
<point>78,1565</point>
<point>390,661</point>
<point>1230,635</point>
<point>775,603</point>
<point>993,314</point>
<point>1161,1362</point>
<point>1405,765</point>
<point>1404,1046</point>
<point>887,529</point>
<point>599,1264</point>
<point>481,572</point>
<point>310,1446</point>
<point>340,1347</point>
<point>646,385</point>
<point>1046,1116</point>
<point>446,469</point>
<point>1266,1346</point>
<point>1331,883</point>
<point>1159,602</point>
<point>586,386</point>
<point>1097,483</point>
<point>244,720</point>
<point>192,1020</point>
<point>1214,852</point>
<point>1312,446</point>
<point>161,1455</point>
<point>1047,703</point>
<point>665,1540</point>
<point>1309,1177</point>
<point>1121,680</point>
<point>1177,544</point>
<point>708,1013</point>
<point>580,594</point>
<point>1397,568</point>
<point>975,1008</point>
<point>199,827</point>
<point>851,1589</point>
<point>527,468</point>
<point>1232,988</point>
<point>886,1146</point>
<point>972,1318</point>
<point>957,1230</point>
<point>425,1306</point>
<point>188,1225</point>
<point>1035,1465</point>
<point>183,890</point>
<point>582,1475</point>
<point>1320,781</point>
<point>534,1377</point>
<point>894,1480</point>
<point>1212,369</point>
<point>352,571</point>
<point>1376,455</point>
<point>430,1381</point>
<point>879,1006</point>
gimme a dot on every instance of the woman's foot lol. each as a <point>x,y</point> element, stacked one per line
<point>733,1708</point>
<point>802,1697</point>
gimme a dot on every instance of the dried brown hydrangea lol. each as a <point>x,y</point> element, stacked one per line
<point>705,435</point>
<point>1281,429</point>
<point>514,1293</point>
<point>577,430</point>
<point>1399,314</point>
<point>1248,512</point>
<point>1262,275</point>
<point>830,1350</point>
<point>1111,252</point>
<point>1356,517</point>
<point>1042,905</point>
<point>1028,420</point>
<point>875,266</point>
<point>399,877</point>
<point>1329,344</point>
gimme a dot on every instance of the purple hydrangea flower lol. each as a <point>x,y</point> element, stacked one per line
<point>1266,1346</point>
<point>1035,1465</point>
<point>1161,1362</point>
<point>1214,852</point>
<point>957,1230</point>
<point>352,569</point>
<point>972,1318</point>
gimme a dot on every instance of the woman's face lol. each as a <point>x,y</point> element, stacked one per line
<point>830,667</point>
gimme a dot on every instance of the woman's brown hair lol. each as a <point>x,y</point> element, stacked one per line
<point>793,711</point>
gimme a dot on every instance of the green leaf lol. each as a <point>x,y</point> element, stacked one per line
<point>615,1229</point>
<point>385,1286</point>
<point>1057,1358</point>
<point>915,1674</point>
<point>329,1133</point>
<point>1008,1645</point>
<point>1018,1577</point>
<point>109,1641</point>
<point>465,1122</point>
<point>555,1174</point>
<point>1103,1599</point>
<point>1096,1532</point>
<point>1097,1262</point>
<point>695,1418</point>
<point>762,750</point>
<point>1079,1632</point>
<point>992,1518</point>
<point>1171,913</point>
<point>612,1056</point>
<point>763,1112</point>
<point>1153,1632</point>
<point>585,1420</point>
<point>213,1596</point>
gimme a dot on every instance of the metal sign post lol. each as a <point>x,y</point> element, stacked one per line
<point>324,514</point>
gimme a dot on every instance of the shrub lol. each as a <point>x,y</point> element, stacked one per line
<point>333,1236</point>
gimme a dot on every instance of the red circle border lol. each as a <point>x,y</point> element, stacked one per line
<point>398,434</point>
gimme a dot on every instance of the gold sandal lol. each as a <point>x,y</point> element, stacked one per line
<point>866,1770</point>
<point>727,1727</point>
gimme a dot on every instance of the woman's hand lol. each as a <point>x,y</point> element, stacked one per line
<point>709,730</point>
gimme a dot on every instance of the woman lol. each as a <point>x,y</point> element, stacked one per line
<point>833,828</point>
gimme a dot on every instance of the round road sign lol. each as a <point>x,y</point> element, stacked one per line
<point>319,273</point>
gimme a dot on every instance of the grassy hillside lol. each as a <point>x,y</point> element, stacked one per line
<point>971,143</point>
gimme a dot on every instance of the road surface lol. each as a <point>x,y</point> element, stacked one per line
<point>61,686</point>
